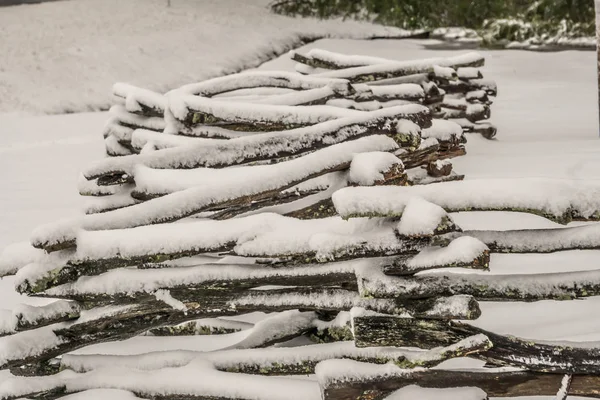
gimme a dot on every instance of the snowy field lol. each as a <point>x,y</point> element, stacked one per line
<point>60,57</point>
<point>546,114</point>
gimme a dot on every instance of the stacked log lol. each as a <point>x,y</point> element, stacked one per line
<point>322,198</point>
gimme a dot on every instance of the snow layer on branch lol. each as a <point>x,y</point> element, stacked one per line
<point>408,127</point>
<point>408,67</point>
<point>18,255</point>
<point>323,237</point>
<point>461,250</point>
<point>454,305</point>
<point>126,118</point>
<point>442,130</point>
<point>233,358</point>
<point>135,97</point>
<point>141,137</point>
<point>339,371</point>
<point>232,184</point>
<point>29,343</point>
<point>368,168</point>
<point>484,286</point>
<point>173,238</point>
<point>330,299</point>
<point>344,60</point>
<point>181,106</point>
<point>60,231</point>
<point>91,188</point>
<point>469,73</point>
<point>413,392</point>
<point>125,280</point>
<point>444,72</point>
<point>541,240</point>
<point>281,325</point>
<point>420,217</point>
<point>555,198</point>
<point>94,205</point>
<point>32,315</point>
<point>114,148</point>
<point>103,394</point>
<point>411,90</point>
<point>296,98</point>
<point>23,313</point>
<point>183,381</point>
<point>262,79</point>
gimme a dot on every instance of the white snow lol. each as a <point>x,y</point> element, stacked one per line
<point>555,197</point>
<point>461,250</point>
<point>459,393</point>
<point>72,54</point>
<point>420,217</point>
<point>442,130</point>
<point>366,169</point>
<point>165,296</point>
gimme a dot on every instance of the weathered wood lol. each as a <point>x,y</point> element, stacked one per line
<point>531,287</point>
<point>401,266</point>
<point>585,237</point>
<point>495,384</point>
<point>437,169</point>
<point>564,358</point>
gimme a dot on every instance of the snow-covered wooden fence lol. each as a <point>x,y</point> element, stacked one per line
<point>320,195</point>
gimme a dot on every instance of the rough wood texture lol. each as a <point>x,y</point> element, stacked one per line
<point>495,384</point>
<point>506,350</point>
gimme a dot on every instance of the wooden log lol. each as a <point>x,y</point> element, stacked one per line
<point>494,383</point>
<point>500,195</point>
<point>140,101</point>
<point>207,326</point>
<point>486,129</point>
<point>402,265</point>
<point>585,237</point>
<point>472,112</point>
<point>256,79</point>
<point>564,358</point>
<point>393,69</point>
<point>466,86</point>
<point>530,287</point>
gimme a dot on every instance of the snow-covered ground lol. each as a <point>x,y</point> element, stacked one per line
<point>64,56</point>
<point>546,113</point>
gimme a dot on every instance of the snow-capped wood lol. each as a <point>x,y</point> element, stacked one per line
<point>343,379</point>
<point>559,357</point>
<point>585,237</point>
<point>255,79</point>
<point>462,252</point>
<point>140,101</point>
<point>393,69</point>
<point>558,200</point>
<point>531,287</point>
